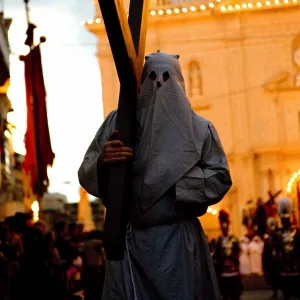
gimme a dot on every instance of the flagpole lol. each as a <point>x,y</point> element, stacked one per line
<point>30,42</point>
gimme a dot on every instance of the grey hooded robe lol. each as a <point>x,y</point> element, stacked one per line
<point>179,170</point>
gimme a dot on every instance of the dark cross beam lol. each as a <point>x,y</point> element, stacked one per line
<point>127,41</point>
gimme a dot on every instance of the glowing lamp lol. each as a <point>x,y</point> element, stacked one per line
<point>35,209</point>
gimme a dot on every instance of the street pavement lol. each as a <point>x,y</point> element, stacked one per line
<point>257,295</point>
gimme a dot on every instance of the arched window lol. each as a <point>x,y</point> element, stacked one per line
<point>195,79</point>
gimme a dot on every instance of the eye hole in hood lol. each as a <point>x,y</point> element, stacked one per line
<point>152,75</point>
<point>166,76</point>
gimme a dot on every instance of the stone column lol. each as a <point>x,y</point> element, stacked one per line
<point>85,216</point>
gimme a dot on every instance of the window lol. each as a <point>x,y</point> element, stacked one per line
<point>195,79</point>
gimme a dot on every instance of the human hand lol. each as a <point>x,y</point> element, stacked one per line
<point>115,151</point>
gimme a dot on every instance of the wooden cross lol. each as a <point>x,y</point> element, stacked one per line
<point>127,40</point>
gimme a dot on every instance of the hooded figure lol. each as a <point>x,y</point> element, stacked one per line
<point>179,169</point>
<point>288,251</point>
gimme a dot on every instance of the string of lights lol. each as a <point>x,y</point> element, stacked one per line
<point>292,180</point>
<point>213,7</point>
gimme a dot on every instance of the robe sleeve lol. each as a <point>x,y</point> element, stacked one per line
<point>208,181</point>
<point>91,176</point>
<point>214,165</point>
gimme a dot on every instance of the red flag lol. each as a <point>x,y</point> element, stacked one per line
<point>39,154</point>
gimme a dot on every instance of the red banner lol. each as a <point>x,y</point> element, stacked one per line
<point>39,154</point>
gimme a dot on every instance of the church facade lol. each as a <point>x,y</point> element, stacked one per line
<point>241,64</point>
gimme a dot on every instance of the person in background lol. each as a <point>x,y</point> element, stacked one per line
<point>34,268</point>
<point>269,259</point>
<point>212,246</point>
<point>227,263</point>
<point>93,266</point>
<point>260,219</point>
<point>4,264</point>
<point>14,246</point>
<point>66,250</point>
<point>40,226</point>
<point>288,251</point>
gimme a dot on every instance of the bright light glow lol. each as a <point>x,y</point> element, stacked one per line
<point>98,20</point>
<point>230,7</point>
<point>176,11</point>
<point>295,1</point>
<point>160,12</point>
<point>202,7</point>
<point>292,180</point>
<point>152,12</point>
<point>90,21</point>
<point>286,1</point>
<point>258,4</point>
<point>223,8</point>
<point>35,209</point>
<point>244,5</point>
<point>192,8</point>
<point>211,5</point>
<point>268,3</point>
<point>209,210</point>
<point>184,10</point>
<point>214,212</point>
<point>7,134</point>
<point>237,6</point>
<point>250,5</point>
<point>277,2</point>
<point>82,23</point>
<point>169,11</point>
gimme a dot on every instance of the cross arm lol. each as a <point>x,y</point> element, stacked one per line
<point>138,21</point>
<point>120,39</point>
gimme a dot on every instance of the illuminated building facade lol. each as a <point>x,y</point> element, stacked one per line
<point>241,63</point>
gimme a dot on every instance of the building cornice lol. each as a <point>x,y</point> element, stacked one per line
<point>212,9</point>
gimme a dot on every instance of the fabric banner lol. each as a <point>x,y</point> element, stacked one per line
<point>39,154</point>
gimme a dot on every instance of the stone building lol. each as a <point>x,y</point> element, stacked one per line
<point>241,64</point>
<point>10,172</point>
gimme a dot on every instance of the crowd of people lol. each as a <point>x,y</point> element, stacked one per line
<point>39,264</point>
<point>276,255</point>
